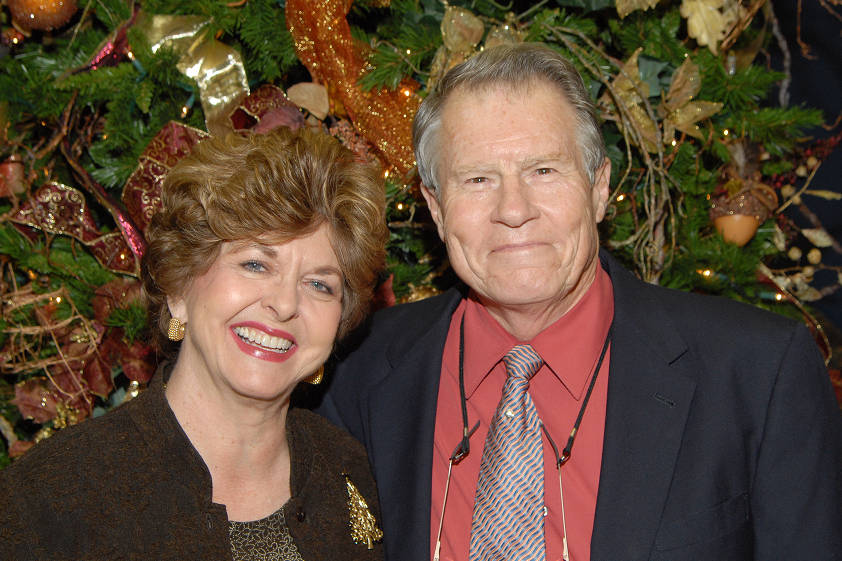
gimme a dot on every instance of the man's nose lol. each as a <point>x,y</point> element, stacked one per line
<point>514,206</point>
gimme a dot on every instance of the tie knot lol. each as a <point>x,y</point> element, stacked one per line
<point>522,361</point>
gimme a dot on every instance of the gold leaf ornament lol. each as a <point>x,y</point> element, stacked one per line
<point>364,529</point>
<point>679,109</point>
<point>631,91</point>
<point>625,7</point>
<point>709,21</point>
<point>461,30</point>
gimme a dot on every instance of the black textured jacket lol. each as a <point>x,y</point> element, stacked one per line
<point>129,485</point>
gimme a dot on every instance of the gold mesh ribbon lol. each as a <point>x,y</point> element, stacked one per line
<point>324,45</point>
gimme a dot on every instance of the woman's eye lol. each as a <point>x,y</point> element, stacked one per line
<point>253,266</point>
<point>321,287</point>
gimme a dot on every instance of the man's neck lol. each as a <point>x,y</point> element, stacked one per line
<point>526,321</point>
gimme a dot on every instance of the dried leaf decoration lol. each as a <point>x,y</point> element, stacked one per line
<point>708,21</point>
<point>625,7</point>
<point>631,91</point>
<point>818,237</point>
<point>680,111</point>
<point>824,194</point>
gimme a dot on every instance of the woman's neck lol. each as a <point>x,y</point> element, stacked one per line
<point>242,442</point>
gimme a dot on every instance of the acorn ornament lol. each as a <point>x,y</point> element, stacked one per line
<point>742,202</point>
<point>737,216</point>
<point>41,15</point>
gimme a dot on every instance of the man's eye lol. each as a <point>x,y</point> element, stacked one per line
<point>253,266</point>
<point>544,171</point>
<point>477,180</point>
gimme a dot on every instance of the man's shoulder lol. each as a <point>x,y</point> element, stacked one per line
<point>403,322</point>
<point>647,302</point>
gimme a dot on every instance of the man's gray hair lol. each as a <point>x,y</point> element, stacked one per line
<point>516,66</point>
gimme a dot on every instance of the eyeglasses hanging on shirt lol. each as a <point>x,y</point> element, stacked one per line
<point>464,447</point>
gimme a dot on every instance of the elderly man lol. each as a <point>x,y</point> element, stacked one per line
<point>554,406</point>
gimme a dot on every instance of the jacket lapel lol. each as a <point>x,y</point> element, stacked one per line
<point>402,452</point>
<point>649,396</point>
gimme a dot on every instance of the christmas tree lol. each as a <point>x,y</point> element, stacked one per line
<point>99,99</point>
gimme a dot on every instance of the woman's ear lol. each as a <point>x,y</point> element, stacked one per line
<point>177,307</point>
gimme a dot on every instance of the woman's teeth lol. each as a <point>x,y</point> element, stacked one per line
<point>258,337</point>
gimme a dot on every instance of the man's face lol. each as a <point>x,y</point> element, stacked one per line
<point>516,210</point>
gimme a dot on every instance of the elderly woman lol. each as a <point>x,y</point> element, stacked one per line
<point>265,251</point>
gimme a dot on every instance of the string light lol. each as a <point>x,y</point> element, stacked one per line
<point>620,198</point>
<point>779,296</point>
<point>400,206</point>
<point>707,273</point>
<point>725,132</point>
<point>674,143</point>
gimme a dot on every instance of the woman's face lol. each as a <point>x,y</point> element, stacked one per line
<point>263,317</point>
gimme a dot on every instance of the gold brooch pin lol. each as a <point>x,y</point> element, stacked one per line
<point>363,525</point>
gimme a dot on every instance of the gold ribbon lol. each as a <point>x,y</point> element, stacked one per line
<point>217,68</point>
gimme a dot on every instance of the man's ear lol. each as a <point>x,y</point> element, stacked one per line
<point>435,208</point>
<point>600,190</point>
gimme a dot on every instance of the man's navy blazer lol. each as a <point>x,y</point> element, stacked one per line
<point>723,440</point>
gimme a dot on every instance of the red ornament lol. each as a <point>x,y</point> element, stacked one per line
<point>42,15</point>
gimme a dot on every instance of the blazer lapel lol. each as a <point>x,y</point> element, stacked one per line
<point>402,420</point>
<point>649,397</point>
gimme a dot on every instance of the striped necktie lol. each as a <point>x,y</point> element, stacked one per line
<point>508,520</point>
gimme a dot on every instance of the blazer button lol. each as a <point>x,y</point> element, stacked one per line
<point>300,516</point>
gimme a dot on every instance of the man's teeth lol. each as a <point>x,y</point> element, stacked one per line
<point>260,338</point>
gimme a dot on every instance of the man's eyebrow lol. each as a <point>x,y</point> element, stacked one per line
<point>536,160</point>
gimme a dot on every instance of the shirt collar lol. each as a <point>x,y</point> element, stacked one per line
<point>570,347</point>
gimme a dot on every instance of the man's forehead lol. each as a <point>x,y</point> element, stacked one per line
<point>514,90</point>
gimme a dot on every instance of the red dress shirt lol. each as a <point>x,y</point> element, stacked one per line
<point>570,349</point>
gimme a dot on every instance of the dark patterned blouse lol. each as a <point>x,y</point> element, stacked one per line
<point>266,539</point>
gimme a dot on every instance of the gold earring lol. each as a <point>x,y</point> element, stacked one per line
<point>316,378</point>
<point>175,330</point>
